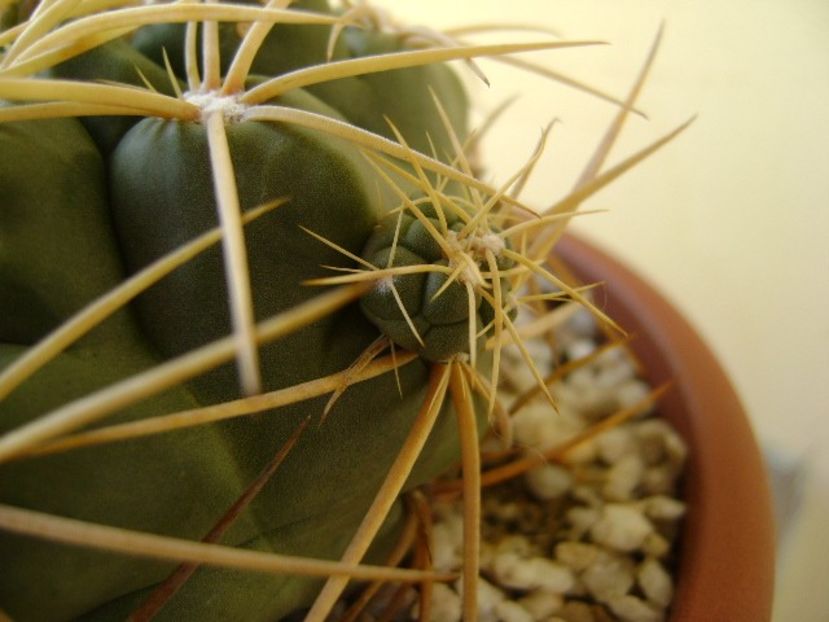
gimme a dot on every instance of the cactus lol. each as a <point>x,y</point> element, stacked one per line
<point>211,235</point>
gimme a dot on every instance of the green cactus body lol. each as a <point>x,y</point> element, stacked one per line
<point>353,173</point>
<point>117,61</point>
<point>145,190</point>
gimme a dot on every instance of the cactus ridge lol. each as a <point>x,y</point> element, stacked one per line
<point>209,165</point>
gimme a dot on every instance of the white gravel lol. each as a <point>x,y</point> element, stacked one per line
<point>590,539</point>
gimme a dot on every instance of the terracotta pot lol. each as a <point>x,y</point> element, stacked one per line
<point>726,557</point>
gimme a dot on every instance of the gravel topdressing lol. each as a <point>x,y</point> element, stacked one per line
<point>590,537</point>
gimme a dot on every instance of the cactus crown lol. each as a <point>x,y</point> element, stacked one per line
<point>207,164</point>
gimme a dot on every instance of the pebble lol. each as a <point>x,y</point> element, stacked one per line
<point>540,604</point>
<point>577,555</point>
<point>659,480</point>
<point>446,552</point>
<point>510,611</point>
<point>632,392</point>
<point>655,582</point>
<point>488,598</point>
<point>663,508</point>
<point>581,454</point>
<point>579,348</point>
<point>576,611</point>
<point>520,573</point>
<point>623,478</point>
<point>659,442</point>
<point>550,481</point>
<point>535,426</point>
<point>632,609</point>
<point>581,520</point>
<point>656,545</point>
<point>615,444</point>
<point>621,527</point>
<point>588,495</point>
<point>579,324</point>
<point>608,577</point>
<point>552,576</point>
<point>611,377</point>
<point>616,357</point>
<point>446,604</point>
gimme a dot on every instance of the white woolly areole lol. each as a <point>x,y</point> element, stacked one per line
<point>229,105</point>
<point>470,251</point>
<point>477,244</point>
<point>385,284</point>
<point>459,257</point>
<point>470,272</point>
<point>491,242</point>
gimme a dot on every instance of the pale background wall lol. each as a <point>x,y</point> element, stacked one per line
<point>731,221</point>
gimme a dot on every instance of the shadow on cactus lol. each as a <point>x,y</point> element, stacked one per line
<point>178,181</point>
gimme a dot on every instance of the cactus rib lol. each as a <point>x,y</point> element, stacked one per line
<point>95,406</point>
<point>392,484</point>
<point>86,319</point>
<point>227,410</point>
<point>179,577</point>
